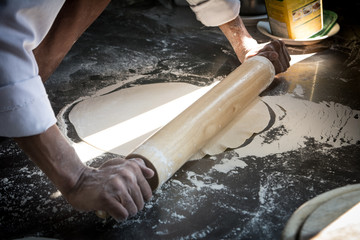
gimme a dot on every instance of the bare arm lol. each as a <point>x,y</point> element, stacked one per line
<point>245,46</point>
<point>118,187</point>
<point>73,19</point>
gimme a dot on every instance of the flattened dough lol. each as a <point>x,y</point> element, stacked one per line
<point>119,121</point>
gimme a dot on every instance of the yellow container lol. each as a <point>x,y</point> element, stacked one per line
<point>295,19</point>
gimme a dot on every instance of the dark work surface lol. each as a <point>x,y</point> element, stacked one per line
<point>252,201</point>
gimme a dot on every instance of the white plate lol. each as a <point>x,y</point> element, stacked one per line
<point>298,218</point>
<point>264,28</point>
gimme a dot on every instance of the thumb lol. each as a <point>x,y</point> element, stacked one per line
<point>146,171</point>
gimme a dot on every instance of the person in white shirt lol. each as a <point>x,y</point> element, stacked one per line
<point>35,37</point>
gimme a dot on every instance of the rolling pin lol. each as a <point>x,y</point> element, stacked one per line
<point>174,144</point>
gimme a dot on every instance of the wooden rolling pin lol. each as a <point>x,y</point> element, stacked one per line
<point>174,144</point>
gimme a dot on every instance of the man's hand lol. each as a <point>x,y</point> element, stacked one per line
<point>119,187</point>
<point>275,51</point>
<point>245,46</point>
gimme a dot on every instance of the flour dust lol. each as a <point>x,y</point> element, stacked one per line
<point>298,120</point>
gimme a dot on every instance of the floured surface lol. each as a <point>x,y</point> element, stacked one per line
<point>119,121</point>
<point>299,120</point>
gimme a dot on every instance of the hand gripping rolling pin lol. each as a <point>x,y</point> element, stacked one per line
<point>174,144</point>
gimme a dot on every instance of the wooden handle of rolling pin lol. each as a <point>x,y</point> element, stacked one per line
<point>173,145</point>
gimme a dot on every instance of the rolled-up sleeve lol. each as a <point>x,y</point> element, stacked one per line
<point>25,109</point>
<point>215,12</point>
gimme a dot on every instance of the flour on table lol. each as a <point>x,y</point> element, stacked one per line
<point>228,165</point>
<point>298,91</point>
<point>299,120</point>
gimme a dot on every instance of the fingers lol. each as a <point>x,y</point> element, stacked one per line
<point>286,53</point>
<point>142,182</point>
<point>132,198</point>
<point>277,53</point>
<point>148,172</point>
<point>274,58</point>
<point>122,197</point>
<point>284,56</point>
<point>127,187</point>
<point>116,210</point>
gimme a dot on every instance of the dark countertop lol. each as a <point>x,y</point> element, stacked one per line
<point>251,201</point>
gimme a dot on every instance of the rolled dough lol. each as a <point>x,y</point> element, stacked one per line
<point>119,121</point>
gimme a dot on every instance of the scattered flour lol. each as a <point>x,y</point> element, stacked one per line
<point>177,216</point>
<point>229,165</point>
<point>298,91</point>
<point>203,181</point>
<point>297,121</point>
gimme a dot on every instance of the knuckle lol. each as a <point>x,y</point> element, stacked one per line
<point>114,186</point>
<point>134,163</point>
<point>138,160</point>
<point>114,182</point>
<point>128,177</point>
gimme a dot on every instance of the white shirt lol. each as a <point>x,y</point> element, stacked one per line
<point>215,12</point>
<point>25,109</point>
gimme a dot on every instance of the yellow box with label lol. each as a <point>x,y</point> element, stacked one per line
<point>295,19</point>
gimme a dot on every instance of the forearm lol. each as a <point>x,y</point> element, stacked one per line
<point>239,38</point>
<point>55,157</point>
<point>73,19</point>
<point>245,46</point>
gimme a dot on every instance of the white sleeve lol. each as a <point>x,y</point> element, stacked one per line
<point>25,109</point>
<point>215,12</point>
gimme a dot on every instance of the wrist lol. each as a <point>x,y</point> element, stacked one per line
<point>239,38</point>
<point>247,45</point>
<point>75,185</point>
<point>53,154</point>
